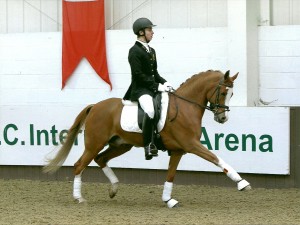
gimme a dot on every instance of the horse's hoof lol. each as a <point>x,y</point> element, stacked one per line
<point>113,190</point>
<point>243,185</point>
<point>247,188</point>
<point>80,200</point>
<point>176,205</point>
<point>172,203</point>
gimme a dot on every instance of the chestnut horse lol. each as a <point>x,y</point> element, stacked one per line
<point>181,133</point>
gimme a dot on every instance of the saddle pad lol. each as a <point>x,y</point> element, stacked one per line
<point>129,115</point>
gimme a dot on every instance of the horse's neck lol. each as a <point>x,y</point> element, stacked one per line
<point>195,89</point>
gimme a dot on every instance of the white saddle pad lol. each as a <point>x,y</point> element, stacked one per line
<point>129,116</point>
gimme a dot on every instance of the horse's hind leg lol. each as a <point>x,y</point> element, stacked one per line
<point>168,185</point>
<point>77,188</point>
<point>102,159</point>
<point>79,166</point>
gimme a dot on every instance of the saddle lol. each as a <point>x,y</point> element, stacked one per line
<point>132,117</point>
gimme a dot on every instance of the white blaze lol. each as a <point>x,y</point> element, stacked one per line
<point>227,99</point>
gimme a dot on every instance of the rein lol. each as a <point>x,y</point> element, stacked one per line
<point>187,100</point>
<point>214,107</point>
<point>192,102</point>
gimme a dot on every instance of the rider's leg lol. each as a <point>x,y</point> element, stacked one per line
<point>146,103</point>
<point>148,129</point>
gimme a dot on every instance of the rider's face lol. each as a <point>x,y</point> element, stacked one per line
<point>149,34</point>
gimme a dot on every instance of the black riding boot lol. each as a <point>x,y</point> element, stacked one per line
<point>148,129</point>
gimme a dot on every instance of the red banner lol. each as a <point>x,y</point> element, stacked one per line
<point>84,36</point>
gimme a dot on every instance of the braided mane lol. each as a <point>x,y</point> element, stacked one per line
<point>192,83</point>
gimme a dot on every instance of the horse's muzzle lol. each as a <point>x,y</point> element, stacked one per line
<point>220,118</point>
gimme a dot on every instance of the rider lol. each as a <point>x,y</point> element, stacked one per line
<point>145,80</point>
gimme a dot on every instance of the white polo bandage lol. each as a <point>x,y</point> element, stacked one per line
<point>229,171</point>
<point>166,196</point>
<point>110,175</point>
<point>77,187</point>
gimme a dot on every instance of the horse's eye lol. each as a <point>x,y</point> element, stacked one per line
<point>223,93</point>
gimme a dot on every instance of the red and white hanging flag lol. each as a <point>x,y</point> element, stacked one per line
<point>84,36</point>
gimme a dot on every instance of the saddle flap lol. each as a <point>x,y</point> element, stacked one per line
<point>129,115</point>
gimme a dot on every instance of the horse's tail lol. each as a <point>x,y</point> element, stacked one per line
<point>55,163</point>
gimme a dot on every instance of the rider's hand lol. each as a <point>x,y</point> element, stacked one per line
<point>168,86</point>
<point>162,88</point>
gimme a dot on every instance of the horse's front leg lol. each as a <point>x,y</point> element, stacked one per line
<point>200,150</point>
<point>242,184</point>
<point>168,186</point>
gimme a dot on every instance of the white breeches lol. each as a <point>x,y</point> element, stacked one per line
<point>146,103</point>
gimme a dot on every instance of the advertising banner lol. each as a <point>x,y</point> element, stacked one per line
<point>254,140</point>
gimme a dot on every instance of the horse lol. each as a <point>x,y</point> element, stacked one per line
<point>180,134</point>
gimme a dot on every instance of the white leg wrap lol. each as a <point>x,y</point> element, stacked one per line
<point>110,175</point>
<point>172,203</point>
<point>77,187</point>
<point>166,196</point>
<point>243,185</point>
<point>229,171</point>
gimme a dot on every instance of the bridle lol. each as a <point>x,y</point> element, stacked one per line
<point>214,107</point>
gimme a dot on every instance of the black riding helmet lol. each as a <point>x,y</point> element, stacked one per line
<point>141,24</point>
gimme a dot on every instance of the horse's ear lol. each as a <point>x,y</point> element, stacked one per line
<point>235,76</point>
<point>226,75</point>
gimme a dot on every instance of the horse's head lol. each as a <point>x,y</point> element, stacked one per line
<point>219,97</point>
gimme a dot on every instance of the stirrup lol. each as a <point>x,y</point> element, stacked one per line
<point>153,149</point>
<point>148,157</point>
<point>150,151</point>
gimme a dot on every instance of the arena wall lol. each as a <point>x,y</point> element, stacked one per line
<point>146,176</point>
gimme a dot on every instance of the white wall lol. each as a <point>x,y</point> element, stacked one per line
<point>279,65</point>
<point>46,15</point>
<point>285,12</point>
<point>121,14</point>
<point>30,67</point>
